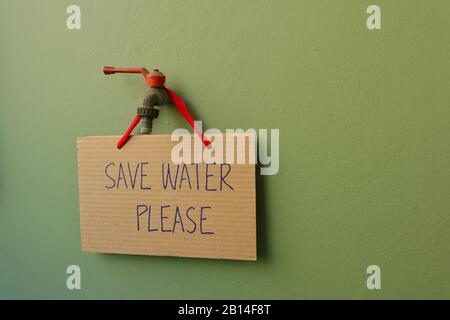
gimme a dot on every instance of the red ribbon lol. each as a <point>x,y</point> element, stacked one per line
<point>181,106</point>
<point>127,133</point>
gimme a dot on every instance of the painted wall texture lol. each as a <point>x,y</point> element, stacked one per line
<point>364,141</point>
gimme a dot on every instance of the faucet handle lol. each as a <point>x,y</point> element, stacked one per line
<point>154,78</point>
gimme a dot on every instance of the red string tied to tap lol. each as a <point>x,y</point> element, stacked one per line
<point>157,79</point>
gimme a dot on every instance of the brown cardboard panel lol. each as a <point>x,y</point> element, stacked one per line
<point>124,207</point>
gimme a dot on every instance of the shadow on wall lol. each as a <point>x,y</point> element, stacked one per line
<point>261,217</point>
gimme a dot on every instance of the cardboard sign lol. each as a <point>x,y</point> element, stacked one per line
<point>138,201</point>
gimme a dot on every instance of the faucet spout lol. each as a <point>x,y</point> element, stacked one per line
<point>156,96</point>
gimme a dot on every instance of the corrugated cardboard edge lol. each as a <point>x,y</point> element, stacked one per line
<point>253,258</point>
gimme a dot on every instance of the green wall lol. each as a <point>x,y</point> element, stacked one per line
<point>364,141</point>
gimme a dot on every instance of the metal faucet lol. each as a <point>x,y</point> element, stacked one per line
<point>157,95</point>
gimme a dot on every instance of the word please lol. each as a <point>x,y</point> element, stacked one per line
<point>168,218</point>
<point>209,177</point>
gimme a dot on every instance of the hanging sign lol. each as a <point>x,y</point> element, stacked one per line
<point>137,200</point>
